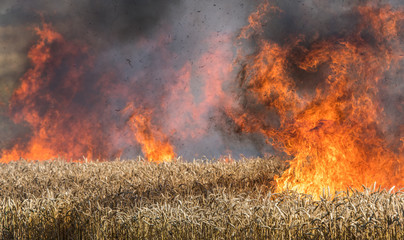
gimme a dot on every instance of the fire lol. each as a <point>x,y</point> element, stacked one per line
<point>333,133</point>
<point>155,144</point>
<point>64,102</point>
<point>47,127</point>
<point>319,99</point>
<point>48,101</point>
<point>258,19</point>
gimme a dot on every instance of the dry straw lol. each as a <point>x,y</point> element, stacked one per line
<point>199,200</point>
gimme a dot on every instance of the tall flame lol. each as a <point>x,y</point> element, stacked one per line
<point>333,133</point>
<point>45,143</point>
<point>155,144</point>
<point>64,100</point>
<point>52,116</point>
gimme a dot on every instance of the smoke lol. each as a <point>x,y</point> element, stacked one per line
<point>181,59</point>
<point>117,53</point>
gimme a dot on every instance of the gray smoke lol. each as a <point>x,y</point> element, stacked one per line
<point>141,45</point>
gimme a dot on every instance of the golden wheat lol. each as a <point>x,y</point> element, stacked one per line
<point>198,200</point>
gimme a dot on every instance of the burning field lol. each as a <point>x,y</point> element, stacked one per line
<point>318,84</point>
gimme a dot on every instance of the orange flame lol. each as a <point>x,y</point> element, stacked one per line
<point>52,136</point>
<point>333,133</point>
<point>258,19</point>
<point>155,144</point>
<point>60,127</point>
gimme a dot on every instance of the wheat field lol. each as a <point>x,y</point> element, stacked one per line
<point>198,200</point>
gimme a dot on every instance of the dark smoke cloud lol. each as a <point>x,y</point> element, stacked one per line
<point>123,17</point>
<point>316,19</point>
<point>123,20</point>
